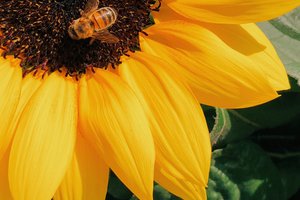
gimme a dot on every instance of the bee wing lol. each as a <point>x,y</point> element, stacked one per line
<point>90,7</point>
<point>105,36</point>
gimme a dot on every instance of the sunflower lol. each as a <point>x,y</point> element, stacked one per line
<point>73,109</point>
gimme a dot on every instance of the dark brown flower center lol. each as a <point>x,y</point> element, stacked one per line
<point>36,31</point>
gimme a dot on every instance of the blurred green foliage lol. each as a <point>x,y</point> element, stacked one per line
<point>284,33</point>
<point>247,166</point>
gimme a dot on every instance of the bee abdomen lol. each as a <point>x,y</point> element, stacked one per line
<point>104,18</point>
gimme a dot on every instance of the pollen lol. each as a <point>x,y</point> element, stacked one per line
<point>37,33</point>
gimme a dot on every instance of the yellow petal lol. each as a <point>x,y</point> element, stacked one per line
<point>10,88</point>
<point>94,172</point>
<point>44,140</point>
<point>5,193</point>
<point>71,186</point>
<point>86,178</point>
<point>177,122</point>
<point>180,187</point>
<point>249,40</point>
<point>218,75</point>
<point>112,119</point>
<point>29,85</point>
<point>232,11</point>
<point>166,14</point>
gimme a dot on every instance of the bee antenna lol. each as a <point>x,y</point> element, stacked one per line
<point>157,7</point>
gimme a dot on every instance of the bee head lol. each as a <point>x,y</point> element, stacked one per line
<point>81,28</point>
<point>72,32</point>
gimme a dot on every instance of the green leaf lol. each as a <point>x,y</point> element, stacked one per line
<point>221,187</point>
<point>160,193</point>
<point>243,171</point>
<point>222,126</point>
<point>294,85</point>
<point>271,114</point>
<point>284,33</point>
<point>281,142</point>
<point>289,171</point>
<point>288,24</point>
<point>234,125</point>
<point>209,113</point>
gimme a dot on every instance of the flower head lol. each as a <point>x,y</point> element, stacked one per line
<point>73,109</point>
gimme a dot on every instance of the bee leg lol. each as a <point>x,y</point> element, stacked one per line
<point>156,7</point>
<point>91,41</point>
<point>81,12</point>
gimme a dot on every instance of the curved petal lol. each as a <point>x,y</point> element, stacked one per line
<point>177,122</point>
<point>218,75</point>
<point>86,178</point>
<point>4,186</point>
<point>232,11</point>
<point>94,172</point>
<point>112,119</point>
<point>29,85</point>
<point>166,14</point>
<point>71,186</point>
<point>10,88</point>
<point>44,140</point>
<point>179,187</point>
<point>249,40</point>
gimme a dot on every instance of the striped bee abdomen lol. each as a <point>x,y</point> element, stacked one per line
<point>104,18</point>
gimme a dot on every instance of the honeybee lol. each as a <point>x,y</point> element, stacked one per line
<point>94,23</point>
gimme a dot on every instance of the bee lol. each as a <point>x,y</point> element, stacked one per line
<point>94,23</point>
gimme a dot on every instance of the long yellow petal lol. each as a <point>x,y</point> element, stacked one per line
<point>178,125</point>
<point>218,75</point>
<point>71,186</point>
<point>232,11</point>
<point>10,88</point>
<point>249,40</point>
<point>29,85</point>
<point>270,62</point>
<point>94,172</point>
<point>44,141</point>
<point>112,119</point>
<point>86,178</point>
<point>5,193</point>
<point>181,188</point>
